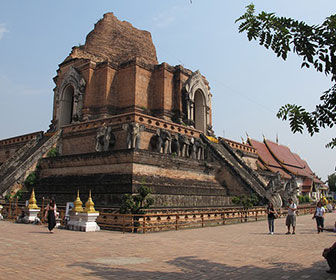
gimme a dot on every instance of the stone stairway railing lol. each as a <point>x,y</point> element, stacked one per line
<point>20,165</point>
<point>10,164</point>
<point>228,157</point>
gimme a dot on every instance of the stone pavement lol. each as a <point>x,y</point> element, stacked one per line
<point>240,251</point>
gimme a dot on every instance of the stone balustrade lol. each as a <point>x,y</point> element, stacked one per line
<point>143,119</point>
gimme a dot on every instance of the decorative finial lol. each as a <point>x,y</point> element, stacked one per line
<point>78,204</point>
<point>32,201</point>
<point>89,205</point>
<point>248,137</point>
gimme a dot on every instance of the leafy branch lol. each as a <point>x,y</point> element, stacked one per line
<point>315,44</point>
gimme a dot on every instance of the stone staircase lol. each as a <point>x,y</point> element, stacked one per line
<point>17,168</point>
<point>229,159</point>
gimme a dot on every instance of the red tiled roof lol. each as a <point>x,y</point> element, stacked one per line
<point>279,158</point>
<point>283,154</point>
<point>267,159</point>
<point>307,169</point>
<point>292,163</point>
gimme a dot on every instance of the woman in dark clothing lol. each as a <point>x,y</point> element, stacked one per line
<point>51,215</point>
<point>270,217</point>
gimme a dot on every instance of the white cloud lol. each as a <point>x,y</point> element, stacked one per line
<point>3,30</point>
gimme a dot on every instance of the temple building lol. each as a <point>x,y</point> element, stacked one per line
<point>269,157</point>
<point>121,121</point>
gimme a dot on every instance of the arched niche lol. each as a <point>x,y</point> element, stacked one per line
<point>67,106</point>
<point>197,100</point>
<point>199,111</point>
<point>69,98</point>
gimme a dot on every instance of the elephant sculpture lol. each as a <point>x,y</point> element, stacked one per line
<point>192,148</point>
<point>133,135</point>
<point>166,141</point>
<point>105,139</point>
<point>199,148</point>
<point>184,145</point>
<point>175,145</point>
<point>161,141</point>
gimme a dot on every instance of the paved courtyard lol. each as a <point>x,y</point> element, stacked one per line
<point>241,251</point>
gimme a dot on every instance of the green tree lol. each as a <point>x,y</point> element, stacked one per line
<point>53,152</point>
<point>135,204</point>
<point>332,182</point>
<point>30,180</point>
<point>246,201</point>
<point>315,44</point>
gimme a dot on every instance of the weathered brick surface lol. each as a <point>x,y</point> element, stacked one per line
<point>174,181</point>
<point>118,63</point>
<point>240,251</point>
<point>116,41</point>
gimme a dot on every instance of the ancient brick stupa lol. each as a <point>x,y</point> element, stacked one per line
<point>121,120</point>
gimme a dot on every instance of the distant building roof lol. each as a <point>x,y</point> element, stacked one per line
<point>290,162</point>
<point>279,158</point>
<point>267,159</point>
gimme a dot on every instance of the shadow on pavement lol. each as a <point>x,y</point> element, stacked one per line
<point>190,267</point>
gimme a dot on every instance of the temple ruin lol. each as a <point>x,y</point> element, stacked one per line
<point>121,120</point>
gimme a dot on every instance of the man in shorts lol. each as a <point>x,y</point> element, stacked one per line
<point>291,216</point>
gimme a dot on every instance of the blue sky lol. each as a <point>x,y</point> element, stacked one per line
<point>248,82</point>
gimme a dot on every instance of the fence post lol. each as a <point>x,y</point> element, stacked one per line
<point>144,224</point>
<point>202,217</point>
<point>10,209</point>
<point>16,207</point>
<point>123,221</point>
<point>256,215</point>
<point>223,215</point>
<point>132,223</point>
<point>176,221</point>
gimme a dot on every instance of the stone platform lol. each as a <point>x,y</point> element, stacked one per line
<point>174,181</point>
<point>240,251</point>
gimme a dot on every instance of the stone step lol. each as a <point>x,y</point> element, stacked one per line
<point>16,169</point>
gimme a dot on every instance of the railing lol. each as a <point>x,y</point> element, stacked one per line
<point>153,222</point>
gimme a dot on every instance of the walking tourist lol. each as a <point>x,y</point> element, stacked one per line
<point>319,216</point>
<point>50,214</point>
<point>291,216</point>
<point>330,256</point>
<point>271,214</point>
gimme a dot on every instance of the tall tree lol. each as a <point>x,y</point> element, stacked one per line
<point>332,182</point>
<point>315,44</point>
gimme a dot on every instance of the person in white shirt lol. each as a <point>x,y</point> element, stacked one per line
<point>291,216</point>
<point>319,216</point>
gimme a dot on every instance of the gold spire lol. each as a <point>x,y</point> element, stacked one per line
<point>32,201</point>
<point>78,204</point>
<point>89,205</point>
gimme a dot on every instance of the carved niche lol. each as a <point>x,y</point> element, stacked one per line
<point>197,100</point>
<point>75,81</point>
